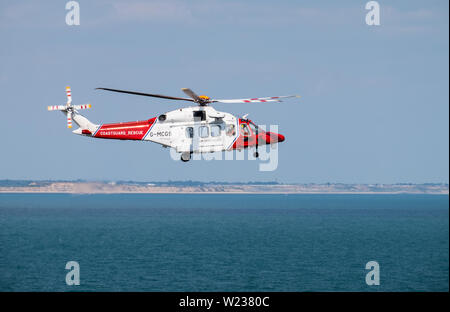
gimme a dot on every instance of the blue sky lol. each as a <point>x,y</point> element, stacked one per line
<point>374,106</point>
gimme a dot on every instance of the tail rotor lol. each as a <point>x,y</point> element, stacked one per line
<point>69,109</point>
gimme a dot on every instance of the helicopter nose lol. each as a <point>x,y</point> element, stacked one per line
<point>272,137</point>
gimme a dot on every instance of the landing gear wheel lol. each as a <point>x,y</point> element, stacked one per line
<point>256,154</point>
<point>185,157</point>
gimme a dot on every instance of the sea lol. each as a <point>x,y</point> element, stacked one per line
<point>224,242</point>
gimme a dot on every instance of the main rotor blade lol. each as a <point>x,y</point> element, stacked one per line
<point>147,94</point>
<point>191,93</point>
<point>256,100</point>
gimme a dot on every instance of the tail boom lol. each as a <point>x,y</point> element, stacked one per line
<point>134,130</point>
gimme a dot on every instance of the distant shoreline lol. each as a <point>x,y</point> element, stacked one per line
<point>226,193</point>
<point>49,187</point>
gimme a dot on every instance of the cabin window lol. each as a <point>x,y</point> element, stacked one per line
<point>189,132</point>
<point>231,130</point>
<point>203,131</point>
<point>215,130</point>
<point>244,130</point>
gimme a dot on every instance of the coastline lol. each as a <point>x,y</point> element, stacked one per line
<point>216,188</point>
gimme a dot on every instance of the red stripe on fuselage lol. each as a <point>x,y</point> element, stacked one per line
<point>134,130</point>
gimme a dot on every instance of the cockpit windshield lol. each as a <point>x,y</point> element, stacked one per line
<point>248,129</point>
<point>245,131</point>
<point>254,127</point>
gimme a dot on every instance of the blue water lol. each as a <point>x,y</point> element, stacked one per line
<point>224,242</point>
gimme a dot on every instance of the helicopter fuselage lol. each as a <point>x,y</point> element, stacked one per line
<point>196,129</point>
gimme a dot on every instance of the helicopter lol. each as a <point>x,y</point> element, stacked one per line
<point>188,130</point>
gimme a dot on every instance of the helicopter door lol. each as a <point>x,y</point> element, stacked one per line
<point>211,137</point>
<point>247,134</point>
<point>186,135</point>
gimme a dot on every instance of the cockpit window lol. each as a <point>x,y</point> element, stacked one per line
<point>252,127</point>
<point>245,131</point>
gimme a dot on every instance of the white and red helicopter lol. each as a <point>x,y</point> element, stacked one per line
<point>195,129</point>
